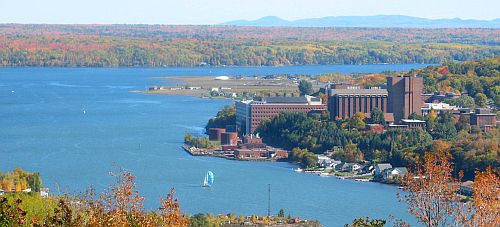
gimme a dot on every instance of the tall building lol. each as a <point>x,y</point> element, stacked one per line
<point>249,114</point>
<point>402,97</point>
<point>345,102</point>
<point>405,96</point>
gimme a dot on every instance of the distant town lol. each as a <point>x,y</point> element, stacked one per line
<point>399,105</point>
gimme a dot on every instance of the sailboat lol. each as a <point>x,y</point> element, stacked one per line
<point>209,179</point>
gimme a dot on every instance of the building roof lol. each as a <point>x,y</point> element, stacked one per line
<point>402,170</point>
<point>383,166</point>
<point>438,106</point>
<point>467,184</point>
<point>222,78</point>
<point>287,100</point>
<point>412,121</point>
<point>358,92</point>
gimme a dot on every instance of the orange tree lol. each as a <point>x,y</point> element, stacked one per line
<point>430,189</point>
<point>484,210</point>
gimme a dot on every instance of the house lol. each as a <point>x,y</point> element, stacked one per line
<point>343,167</point>
<point>379,168</point>
<point>44,192</point>
<point>27,190</point>
<point>394,173</point>
<point>355,167</point>
<point>366,169</point>
<point>2,192</point>
<point>328,164</point>
<point>466,188</point>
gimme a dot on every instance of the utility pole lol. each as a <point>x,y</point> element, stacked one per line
<point>269,200</point>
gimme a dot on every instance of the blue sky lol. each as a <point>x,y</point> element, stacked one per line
<point>218,11</point>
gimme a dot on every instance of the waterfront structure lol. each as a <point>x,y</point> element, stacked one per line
<point>405,96</point>
<point>249,114</point>
<point>346,101</point>
<point>483,118</point>
<point>267,152</point>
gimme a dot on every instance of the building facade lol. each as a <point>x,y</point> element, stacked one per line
<point>402,97</point>
<point>483,118</point>
<point>249,114</point>
<point>345,102</point>
<point>405,96</point>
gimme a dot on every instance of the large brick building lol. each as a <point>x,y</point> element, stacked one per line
<point>405,96</point>
<point>249,114</point>
<point>344,103</point>
<point>402,97</point>
<point>483,118</point>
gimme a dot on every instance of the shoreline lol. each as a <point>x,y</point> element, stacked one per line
<point>210,67</point>
<point>235,87</point>
<point>318,172</point>
<point>186,148</point>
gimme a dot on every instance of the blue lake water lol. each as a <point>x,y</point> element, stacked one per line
<point>73,125</point>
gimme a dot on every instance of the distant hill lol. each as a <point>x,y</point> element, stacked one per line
<point>167,45</point>
<point>382,21</point>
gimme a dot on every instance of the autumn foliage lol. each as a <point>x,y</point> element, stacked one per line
<point>120,205</point>
<point>431,192</point>
<point>485,208</point>
<point>166,45</point>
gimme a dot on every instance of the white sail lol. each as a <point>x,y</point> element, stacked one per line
<point>205,182</point>
<point>209,179</point>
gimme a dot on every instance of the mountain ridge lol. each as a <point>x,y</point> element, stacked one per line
<point>383,21</point>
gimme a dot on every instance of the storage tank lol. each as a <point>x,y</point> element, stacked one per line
<point>229,138</point>
<point>214,134</point>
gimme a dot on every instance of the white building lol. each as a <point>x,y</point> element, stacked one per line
<point>222,78</point>
<point>438,107</point>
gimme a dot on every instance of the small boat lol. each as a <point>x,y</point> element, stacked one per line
<point>324,174</point>
<point>298,170</point>
<point>362,180</point>
<point>209,179</point>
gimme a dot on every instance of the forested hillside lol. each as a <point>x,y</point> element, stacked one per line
<point>161,46</point>
<point>480,80</point>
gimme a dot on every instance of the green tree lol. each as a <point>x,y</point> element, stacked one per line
<point>357,121</point>
<point>281,213</point>
<point>445,128</point>
<point>377,117</point>
<point>366,222</point>
<point>464,101</point>
<point>226,116</point>
<point>304,157</point>
<point>35,181</point>
<point>415,116</point>
<point>305,87</point>
<point>480,99</point>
